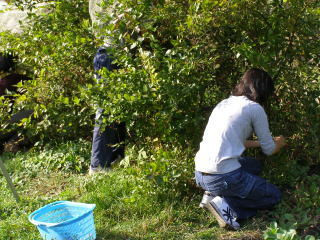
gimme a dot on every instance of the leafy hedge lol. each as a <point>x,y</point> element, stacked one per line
<point>177,58</point>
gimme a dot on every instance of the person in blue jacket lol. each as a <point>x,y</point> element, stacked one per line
<point>108,143</point>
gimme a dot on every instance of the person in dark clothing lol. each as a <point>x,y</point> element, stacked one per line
<point>8,82</point>
<point>6,62</point>
<point>107,144</point>
<point>9,79</point>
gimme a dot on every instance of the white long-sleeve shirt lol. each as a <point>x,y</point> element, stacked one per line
<point>231,122</point>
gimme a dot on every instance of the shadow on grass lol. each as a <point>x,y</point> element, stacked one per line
<point>112,235</point>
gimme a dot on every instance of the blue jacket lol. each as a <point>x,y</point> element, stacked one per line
<point>103,59</point>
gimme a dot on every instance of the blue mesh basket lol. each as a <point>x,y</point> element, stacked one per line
<point>64,220</point>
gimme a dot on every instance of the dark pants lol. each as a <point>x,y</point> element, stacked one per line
<point>107,145</point>
<point>243,190</point>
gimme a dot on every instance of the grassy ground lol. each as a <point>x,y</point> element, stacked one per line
<point>134,201</point>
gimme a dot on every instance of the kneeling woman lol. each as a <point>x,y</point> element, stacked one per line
<point>233,189</point>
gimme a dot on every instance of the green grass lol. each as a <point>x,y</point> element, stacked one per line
<point>140,199</point>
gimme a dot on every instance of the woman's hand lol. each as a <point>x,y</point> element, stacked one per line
<point>280,142</point>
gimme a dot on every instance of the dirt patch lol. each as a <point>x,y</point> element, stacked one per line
<point>48,185</point>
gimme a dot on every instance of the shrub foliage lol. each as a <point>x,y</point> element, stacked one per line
<point>177,59</point>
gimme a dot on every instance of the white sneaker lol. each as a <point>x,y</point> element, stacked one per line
<point>93,171</point>
<point>206,198</point>
<point>225,216</point>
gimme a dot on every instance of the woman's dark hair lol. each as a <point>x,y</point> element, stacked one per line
<point>255,84</point>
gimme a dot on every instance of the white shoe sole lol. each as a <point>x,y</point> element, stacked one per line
<point>213,210</point>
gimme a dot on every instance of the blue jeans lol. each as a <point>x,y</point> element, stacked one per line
<point>243,189</point>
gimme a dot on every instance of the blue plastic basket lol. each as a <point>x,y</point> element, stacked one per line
<point>64,220</point>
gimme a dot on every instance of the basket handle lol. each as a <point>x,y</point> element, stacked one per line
<point>44,224</point>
